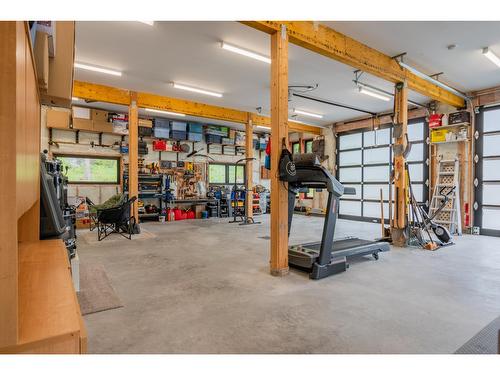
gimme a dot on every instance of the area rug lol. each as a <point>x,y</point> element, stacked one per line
<point>96,292</point>
<point>90,237</point>
<point>486,341</point>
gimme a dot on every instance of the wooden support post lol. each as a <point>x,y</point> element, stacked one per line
<point>133,153</point>
<point>399,223</point>
<point>279,136</point>
<point>249,166</point>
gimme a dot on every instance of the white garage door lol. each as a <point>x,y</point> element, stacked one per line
<point>487,180</point>
<point>364,160</point>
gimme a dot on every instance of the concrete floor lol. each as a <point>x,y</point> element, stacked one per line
<point>204,287</point>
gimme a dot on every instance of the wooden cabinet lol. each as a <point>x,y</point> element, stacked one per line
<point>49,314</point>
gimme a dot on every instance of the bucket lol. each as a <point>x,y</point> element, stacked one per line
<point>204,214</point>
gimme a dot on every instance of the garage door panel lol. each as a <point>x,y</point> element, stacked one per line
<point>376,174</point>
<point>349,158</point>
<point>350,208</point>
<point>350,141</point>
<point>350,174</point>
<point>376,155</point>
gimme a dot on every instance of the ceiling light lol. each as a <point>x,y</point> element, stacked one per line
<point>165,112</point>
<point>97,69</point>
<point>245,52</point>
<point>193,89</point>
<point>364,90</point>
<point>150,23</point>
<point>263,127</point>
<point>315,115</point>
<point>490,55</point>
<point>75,99</point>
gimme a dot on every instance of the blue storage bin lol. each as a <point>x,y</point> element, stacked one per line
<point>211,138</point>
<point>195,128</point>
<point>179,126</point>
<point>162,123</point>
<point>195,137</point>
<point>161,132</point>
<point>178,135</point>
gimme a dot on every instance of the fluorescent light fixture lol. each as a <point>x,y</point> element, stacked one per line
<point>263,127</point>
<point>165,112</point>
<point>432,80</point>
<point>194,89</point>
<point>150,23</point>
<point>373,93</point>
<point>309,114</point>
<point>75,99</point>
<point>245,52</point>
<point>490,55</point>
<point>97,69</point>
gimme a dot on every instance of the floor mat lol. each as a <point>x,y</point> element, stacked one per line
<point>96,292</point>
<point>486,341</point>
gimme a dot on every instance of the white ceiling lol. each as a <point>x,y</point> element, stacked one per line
<point>425,43</point>
<point>189,52</point>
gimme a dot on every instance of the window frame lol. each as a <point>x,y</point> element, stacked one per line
<point>100,157</point>
<point>227,166</point>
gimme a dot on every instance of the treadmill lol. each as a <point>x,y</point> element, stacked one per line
<point>329,256</point>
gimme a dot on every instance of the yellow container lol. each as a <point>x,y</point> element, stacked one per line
<point>438,135</point>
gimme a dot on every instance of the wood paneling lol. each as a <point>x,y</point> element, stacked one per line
<point>8,218</point>
<point>279,137</point>
<point>330,43</point>
<point>19,158</point>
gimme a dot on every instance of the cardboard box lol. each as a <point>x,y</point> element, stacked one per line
<point>103,126</point>
<point>41,53</point>
<point>57,119</point>
<point>82,113</point>
<point>49,28</point>
<point>83,124</point>
<point>145,123</point>
<point>99,115</point>
<point>60,87</point>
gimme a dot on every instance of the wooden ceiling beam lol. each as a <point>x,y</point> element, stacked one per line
<point>337,46</point>
<point>107,94</point>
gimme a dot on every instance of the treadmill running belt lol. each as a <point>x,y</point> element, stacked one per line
<point>341,244</point>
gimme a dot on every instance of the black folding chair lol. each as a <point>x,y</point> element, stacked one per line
<point>116,220</point>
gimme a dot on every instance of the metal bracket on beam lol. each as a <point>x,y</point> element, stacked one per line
<point>283,31</point>
<point>397,131</point>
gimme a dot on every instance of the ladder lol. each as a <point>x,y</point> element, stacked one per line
<point>447,178</point>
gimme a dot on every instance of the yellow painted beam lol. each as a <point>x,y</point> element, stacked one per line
<point>107,94</point>
<point>330,43</point>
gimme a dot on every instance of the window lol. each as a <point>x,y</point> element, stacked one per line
<point>240,174</point>
<point>91,169</point>
<point>224,174</point>
<point>309,146</point>
<point>217,173</point>
<point>296,148</point>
